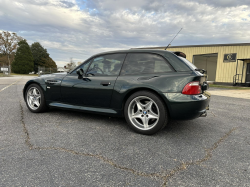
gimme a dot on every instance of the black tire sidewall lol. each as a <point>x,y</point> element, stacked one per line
<point>43,105</point>
<point>162,109</point>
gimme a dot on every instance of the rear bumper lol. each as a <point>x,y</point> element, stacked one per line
<point>187,106</point>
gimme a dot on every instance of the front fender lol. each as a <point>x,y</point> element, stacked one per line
<point>38,81</point>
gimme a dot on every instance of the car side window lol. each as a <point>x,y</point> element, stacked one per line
<point>145,63</point>
<point>84,66</point>
<point>106,65</point>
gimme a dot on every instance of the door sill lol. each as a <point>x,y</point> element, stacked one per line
<point>90,109</point>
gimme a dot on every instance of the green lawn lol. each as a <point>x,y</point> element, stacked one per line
<point>23,74</point>
<point>3,75</point>
<point>15,74</point>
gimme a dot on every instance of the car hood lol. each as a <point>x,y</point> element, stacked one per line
<point>63,74</point>
<point>43,79</point>
<point>53,76</point>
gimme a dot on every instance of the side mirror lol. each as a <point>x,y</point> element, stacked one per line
<point>80,72</point>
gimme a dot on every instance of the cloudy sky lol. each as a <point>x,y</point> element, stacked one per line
<point>81,28</point>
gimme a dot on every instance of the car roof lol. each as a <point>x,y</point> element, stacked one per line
<point>157,51</point>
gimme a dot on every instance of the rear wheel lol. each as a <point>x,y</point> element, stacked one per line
<point>145,112</point>
<point>34,99</point>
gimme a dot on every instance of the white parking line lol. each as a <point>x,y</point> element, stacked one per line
<point>10,85</point>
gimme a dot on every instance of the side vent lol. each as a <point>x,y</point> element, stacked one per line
<point>52,81</point>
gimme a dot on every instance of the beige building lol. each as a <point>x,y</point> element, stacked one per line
<point>220,60</point>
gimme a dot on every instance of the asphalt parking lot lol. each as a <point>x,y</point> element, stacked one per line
<point>65,148</point>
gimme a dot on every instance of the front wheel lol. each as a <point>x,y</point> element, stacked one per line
<point>145,112</point>
<point>34,99</point>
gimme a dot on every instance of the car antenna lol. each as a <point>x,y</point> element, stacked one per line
<point>172,39</point>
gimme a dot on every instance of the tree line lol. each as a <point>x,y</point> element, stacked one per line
<point>16,52</point>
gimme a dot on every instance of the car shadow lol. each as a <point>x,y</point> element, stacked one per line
<point>90,116</point>
<point>172,126</point>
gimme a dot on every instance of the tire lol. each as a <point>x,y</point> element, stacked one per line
<point>34,99</point>
<point>145,113</point>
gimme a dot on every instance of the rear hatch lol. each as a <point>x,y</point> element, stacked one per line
<point>200,72</point>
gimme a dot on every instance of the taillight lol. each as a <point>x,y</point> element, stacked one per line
<point>192,88</point>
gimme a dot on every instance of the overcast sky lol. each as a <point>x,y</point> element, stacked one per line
<point>81,28</point>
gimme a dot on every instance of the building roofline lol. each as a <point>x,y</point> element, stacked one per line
<point>205,45</point>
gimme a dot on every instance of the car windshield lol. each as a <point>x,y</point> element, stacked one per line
<point>192,66</point>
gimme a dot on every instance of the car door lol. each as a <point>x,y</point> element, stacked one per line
<point>95,87</point>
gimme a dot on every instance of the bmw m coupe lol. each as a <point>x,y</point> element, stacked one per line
<point>147,87</point>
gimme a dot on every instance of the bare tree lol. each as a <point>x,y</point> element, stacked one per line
<point>8,44</point>
<point>71,65</point>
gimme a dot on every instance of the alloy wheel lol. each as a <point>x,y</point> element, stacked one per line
<point>33,98</point>
<point>143,113</point>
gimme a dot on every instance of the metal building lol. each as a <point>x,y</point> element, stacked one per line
<point>225,63</point>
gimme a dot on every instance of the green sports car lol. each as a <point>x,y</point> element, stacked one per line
<point>147,87</point>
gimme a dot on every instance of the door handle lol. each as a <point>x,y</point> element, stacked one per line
<point>105,83</point>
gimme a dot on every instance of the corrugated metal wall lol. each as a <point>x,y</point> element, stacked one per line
<point>225,70</point>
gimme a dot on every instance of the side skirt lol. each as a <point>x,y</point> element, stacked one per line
<point>87,109</point>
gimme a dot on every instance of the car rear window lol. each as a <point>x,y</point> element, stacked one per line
<point>140,63</point>
<point>192,66</point>
<point>179,63</point>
